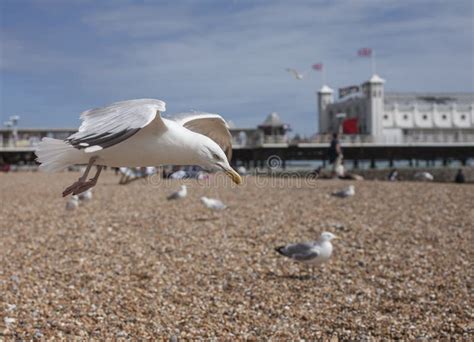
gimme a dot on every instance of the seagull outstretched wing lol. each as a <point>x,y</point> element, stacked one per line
<point>108,126</point>
<point>211,125</point>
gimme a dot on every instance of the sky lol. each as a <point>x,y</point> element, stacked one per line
<point>61,57</point>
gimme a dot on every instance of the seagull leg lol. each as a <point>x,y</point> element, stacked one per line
<point>312,273</point>
<point>308,272</point>
<point>73,188</point>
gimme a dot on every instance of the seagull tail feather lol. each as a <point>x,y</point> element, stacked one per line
<point>280,250</point>
<point>172,197</point>
<point>55,155</point>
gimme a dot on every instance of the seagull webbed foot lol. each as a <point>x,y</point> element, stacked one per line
<point>84,186</point>
<point>79,187</point>
<point>71,189</point>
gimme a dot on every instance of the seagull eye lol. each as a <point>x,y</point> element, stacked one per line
<point>215,156</point>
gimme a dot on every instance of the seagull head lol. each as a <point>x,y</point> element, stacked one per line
<point>212,157</point>
<point>327,236</point>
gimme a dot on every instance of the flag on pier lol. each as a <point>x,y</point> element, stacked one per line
<point>364,52</point>
<point>368,52</point>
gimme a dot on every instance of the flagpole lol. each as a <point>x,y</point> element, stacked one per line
<point>373,61</point>
<point>323,74</point>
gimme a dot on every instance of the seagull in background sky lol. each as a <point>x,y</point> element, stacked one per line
<point>296,74</point>
<point>134,134</point>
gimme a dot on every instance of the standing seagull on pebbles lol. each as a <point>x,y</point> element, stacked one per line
<point>213,203</point>
<point>181,193</point>
<point>347,192</point>
<point>86,196</point>
<point>314,252</point>
<point>424,176</point>
<point>72,203</point>
<point>134,134</point>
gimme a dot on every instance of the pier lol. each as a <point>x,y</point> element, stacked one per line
<point>259,156</point>
<point>355,153</point>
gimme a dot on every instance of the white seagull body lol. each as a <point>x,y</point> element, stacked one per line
<point>213,203</point>
<point>296,74</point>
<point>347,192</point>
<point>134,134</point>
<point>313,252</point>
<point>424,176</point>
<point>181,193</point>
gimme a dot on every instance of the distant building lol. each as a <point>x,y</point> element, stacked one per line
<point>369,114</point>
<point>271,131</point>
<point>30,137</point>
<point>274,130</point>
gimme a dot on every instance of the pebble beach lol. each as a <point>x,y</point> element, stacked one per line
<point>130,264</point>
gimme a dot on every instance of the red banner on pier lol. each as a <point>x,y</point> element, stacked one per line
<point>350,126</point>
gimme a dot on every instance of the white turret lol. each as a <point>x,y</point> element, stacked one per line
<point>374,91</point>
<point>324,98</point>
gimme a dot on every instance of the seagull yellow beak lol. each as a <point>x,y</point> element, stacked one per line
<point>233,175</point>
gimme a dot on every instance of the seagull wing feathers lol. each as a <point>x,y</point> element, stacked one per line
<point>110,125</point>
<point>299,251</point>
<point>211,125</point>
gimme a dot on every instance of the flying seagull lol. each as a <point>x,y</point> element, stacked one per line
<point>347,192</point>
<point>314,252</point>
<point>134,134</point>
<point>298,75</point>
<point>181,193</point>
